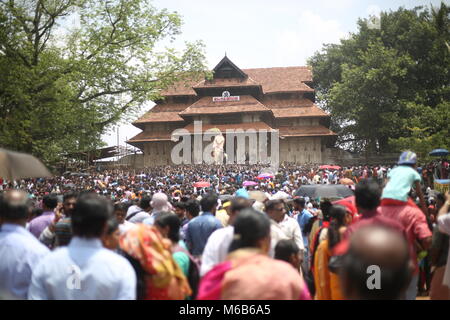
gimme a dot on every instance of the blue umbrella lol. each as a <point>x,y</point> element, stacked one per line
<point>439,152</point>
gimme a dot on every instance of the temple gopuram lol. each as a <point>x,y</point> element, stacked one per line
<point>273,99</point>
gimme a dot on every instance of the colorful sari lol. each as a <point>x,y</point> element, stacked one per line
<point>326,282</point>
<point>250,275</point>
<point>164,279</point>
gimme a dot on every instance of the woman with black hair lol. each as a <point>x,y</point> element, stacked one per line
<point>169,225</point>
<point>327,283</point>
<point>150,251</point>
<point>319,229</point>
<point>248,272</point>
<point>287,250</point>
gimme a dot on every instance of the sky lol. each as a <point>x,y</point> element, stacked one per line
<point>262,33</point>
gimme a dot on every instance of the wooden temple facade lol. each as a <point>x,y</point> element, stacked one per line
<point>280,99</point>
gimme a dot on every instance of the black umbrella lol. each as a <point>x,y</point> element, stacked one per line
<point>324,191</point>
<point>79,174</point>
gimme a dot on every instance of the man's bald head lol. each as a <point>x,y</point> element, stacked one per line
<point>14,205</point>
<point>382,247</point>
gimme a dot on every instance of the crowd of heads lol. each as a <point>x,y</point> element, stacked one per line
<point>98,206</point>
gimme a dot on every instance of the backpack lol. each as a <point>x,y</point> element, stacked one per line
<point>193,272</point>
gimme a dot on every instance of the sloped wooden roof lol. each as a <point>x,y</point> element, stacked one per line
<point>163,113</point>
<point>223,127</point>
<point>206,105</point>
<point>305,131</point>
<point>227,62</point>
<point>226,82</point>
<point>159,117</point>
<point>146,136</point>
<point>272,80</point>
<point>312,111</point>
<point>165,107</point>
<point>287,79</point>
<point>277,102</point>
<point>181,88</point>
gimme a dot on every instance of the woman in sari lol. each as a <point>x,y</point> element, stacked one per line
<point>327,283</point>
<point>159,276</point>
<point>248,272</point>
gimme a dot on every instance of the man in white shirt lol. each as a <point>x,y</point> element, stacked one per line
<point>282,227</point>
<point>216,249</point>
<point>20,251</point>
<point>137,214</point>
<point>85,270</point>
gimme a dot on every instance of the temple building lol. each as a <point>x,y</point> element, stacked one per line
<point>273,99</point>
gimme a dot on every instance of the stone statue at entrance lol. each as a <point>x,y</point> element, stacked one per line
<point>218,143</point>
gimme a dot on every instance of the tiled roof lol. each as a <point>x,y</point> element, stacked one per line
<point>206,105</point>
<point>277,102</point>
<point>224,127</point>
<point>285,79</point>
<point>305,131</point>
<point>285,131</point>
<point>229,82</point>
<point>312,111</point>
<point>288,79</point>
<point>163,113</point>
<point>146,136</point>
<point>164,107</point>
<point>181,88</point>
<point>159,117</point>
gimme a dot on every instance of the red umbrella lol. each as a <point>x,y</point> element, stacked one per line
<point>202,184</point>
<point>350,204</point>
<point>350,200</point>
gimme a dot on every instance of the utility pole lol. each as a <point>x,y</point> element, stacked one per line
<point>118,147</point>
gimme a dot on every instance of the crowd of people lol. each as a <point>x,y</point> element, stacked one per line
<point>243,233</point>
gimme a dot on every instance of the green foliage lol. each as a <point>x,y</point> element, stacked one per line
<point>388,88</point>
<point>62,86</point>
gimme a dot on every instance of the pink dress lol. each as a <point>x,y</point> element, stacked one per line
<point>255,277</point>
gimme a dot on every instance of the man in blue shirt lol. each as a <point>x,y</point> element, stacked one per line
<point>85,270</point>
<point>20,251</point>
<point>200,228</point>
<point>303,219</point>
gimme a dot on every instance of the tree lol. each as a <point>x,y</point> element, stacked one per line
<point>62,86</point>
<point>387,88</point>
